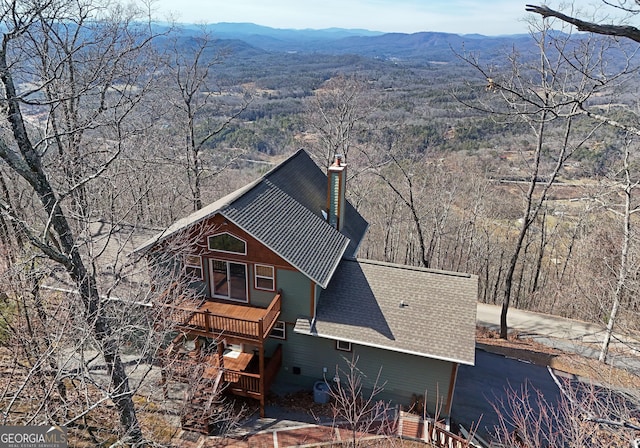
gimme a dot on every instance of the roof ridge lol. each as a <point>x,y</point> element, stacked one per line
<point>265,177</point>
<point>284,162</point>
<point>214,207</point>
<point>412,268</point>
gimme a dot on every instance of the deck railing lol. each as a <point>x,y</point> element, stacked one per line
<point>243,382</point>
<point>192,368</point>
<point>249,383</point>
<point>269,319</point>
<point>215,323</point>
<point>427,429</point>
<point>440,437</point>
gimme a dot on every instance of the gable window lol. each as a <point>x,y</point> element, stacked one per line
<point>265,278</point>
<point>228,280</point>
<point>225,242</point>
<point>279,330</point>
<point>193,266</point>
<point>343,346</point>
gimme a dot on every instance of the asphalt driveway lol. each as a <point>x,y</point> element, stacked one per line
<point>480,386</point>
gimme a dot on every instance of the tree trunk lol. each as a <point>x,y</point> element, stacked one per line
<point>624,257</point>
<point>528,215</point>
<point>65,251</point>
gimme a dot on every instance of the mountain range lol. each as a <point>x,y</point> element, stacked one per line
<point>250,39</point>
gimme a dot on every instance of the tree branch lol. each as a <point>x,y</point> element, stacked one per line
<point>630,32</point>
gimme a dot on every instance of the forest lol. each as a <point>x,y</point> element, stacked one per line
<point>518,165</point>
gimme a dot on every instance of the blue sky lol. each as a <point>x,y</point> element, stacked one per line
<point>490,17</point>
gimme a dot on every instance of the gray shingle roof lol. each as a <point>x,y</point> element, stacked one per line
<point>193,218</point>
<point>362,305</point>
<point>302,180</point>
<point>283,210</point>
<point>291,230</point>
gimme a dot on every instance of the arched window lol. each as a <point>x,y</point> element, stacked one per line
<point>225,242</point>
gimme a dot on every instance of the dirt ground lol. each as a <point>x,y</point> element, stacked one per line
<point>156,421</point>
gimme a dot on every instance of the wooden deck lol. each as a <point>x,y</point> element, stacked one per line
<point>238,373</point>
<point>244,374</point>
<point>215,318</point>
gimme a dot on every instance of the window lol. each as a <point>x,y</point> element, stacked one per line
<point>193,266</point>
<point>265,277</point>
<point>228,280</point>
<point>279,330</point>
<point>343,345</point>
<point>225,242</point>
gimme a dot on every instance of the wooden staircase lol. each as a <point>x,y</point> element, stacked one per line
<point>202,412</point>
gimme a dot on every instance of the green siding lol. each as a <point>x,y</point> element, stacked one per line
<point>403,375</point>
<point>259,297</point>
<point>318,293</point>
<point>296,294</point>
<point>296,302</point>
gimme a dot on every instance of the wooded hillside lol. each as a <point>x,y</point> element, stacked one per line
<point>514,159</point>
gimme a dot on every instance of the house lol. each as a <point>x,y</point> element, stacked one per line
<point>277,293</point>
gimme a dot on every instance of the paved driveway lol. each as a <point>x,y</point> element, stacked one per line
<point>529,322</point>
<point>568,335</point>
<point>493,375</point>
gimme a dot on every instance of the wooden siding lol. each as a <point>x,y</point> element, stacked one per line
<point>256,251</point>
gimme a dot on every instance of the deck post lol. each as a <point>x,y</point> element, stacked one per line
<point>262,382</point>
<point>452,385</point>
<point>220,348</point>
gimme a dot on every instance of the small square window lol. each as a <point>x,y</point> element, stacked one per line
<point>265,277</point>
<point>193,266</point>
<point>343,345</point>
<point>279,330</point>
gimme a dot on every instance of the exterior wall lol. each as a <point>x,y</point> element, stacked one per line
<point>403,375</point>
<point>297,291</point>
<point>305,357</point>
<point>296,295</point>
<point>286,277</point>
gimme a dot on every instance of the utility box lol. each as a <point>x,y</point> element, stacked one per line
<point>320,392</point>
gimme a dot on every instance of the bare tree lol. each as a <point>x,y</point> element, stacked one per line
<point>358,405</point>
<point>410,190</point>
<point>191,63</point>
<point>68,95</point>
<point>583,415</point>
<point>546,96</point>
<point>632,7</point>
<point>338,112</point>
<point>623,281</point>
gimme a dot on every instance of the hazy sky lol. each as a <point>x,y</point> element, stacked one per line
<point>490,17</point>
